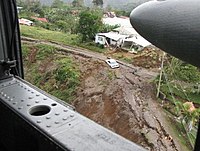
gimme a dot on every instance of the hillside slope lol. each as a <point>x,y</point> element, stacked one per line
<point>119,4</point>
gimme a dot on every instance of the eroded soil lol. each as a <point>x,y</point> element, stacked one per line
<point>122,100</point>
<point>124,103</point>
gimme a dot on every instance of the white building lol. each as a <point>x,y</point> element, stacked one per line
<point>124,36</point>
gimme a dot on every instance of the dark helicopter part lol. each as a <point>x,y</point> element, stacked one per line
<point>10,48</point>
<point>172,25</point>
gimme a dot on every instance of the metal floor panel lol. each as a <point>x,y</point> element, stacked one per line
<point>60,123</point>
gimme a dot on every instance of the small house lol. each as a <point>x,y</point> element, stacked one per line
<point>110,38</point>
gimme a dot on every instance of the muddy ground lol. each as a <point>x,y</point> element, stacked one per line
<point>122,100</point>
<point>124,103</point>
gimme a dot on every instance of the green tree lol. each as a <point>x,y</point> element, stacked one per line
<point>57,4</point>
<point>89,24</point>
<point>36,7</point>
<point>98,3</point>
<point>77,3</point>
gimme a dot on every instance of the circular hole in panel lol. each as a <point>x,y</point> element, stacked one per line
<point>53,104</point>
<point>39,110</point>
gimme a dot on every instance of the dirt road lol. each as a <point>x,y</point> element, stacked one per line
<point>123,100</point>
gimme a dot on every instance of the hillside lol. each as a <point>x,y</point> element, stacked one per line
<point>122,100</point>
<point>119,4</point>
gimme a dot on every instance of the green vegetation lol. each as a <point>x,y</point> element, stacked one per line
<point>123,57</point>
<point>89,24</point>
<point>54,73</point>
<point>98,3</point>
<point>43,34</point>
<point>180,85</point>
<point>58,37</point>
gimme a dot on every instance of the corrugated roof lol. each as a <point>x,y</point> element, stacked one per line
<point>113,36</point>
<point>138,40</point>
<point>125,22</point>
<point>126,30</point>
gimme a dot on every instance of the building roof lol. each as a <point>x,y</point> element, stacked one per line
<point>40,19</point>
<point>125,22</point>
<point>138,40</point>
<point>112,35</point>
<point>126,30</point>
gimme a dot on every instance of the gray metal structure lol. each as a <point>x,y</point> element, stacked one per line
<point>32,120</point>
<point>36,121</point>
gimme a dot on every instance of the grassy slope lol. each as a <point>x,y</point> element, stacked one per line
<point>55,73</point>
<point>43,34</point>
<point>55,36</point>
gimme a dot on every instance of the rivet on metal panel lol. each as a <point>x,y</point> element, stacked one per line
<point>14,103</point>
<point>57,113</point>
<point>37,101</point>
<point>1,92</point>
<point>7,97</point>
<point>65,110</point>
<point>39,121</point>
<point>30,97</point>
<point>29,90</point>
<point>37,94</point>
<point>48,117</point>
<point>20,108</point>
<point>48,126</point>
<point>64,118</point>
<point>44,98</point>
<point>10,99</point>
<point>22,100</point>
<point>28,105</point>
<point>56,122</point>
<point>4,95</point>
<point>71,115</point>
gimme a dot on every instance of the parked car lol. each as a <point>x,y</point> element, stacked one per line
<point>112,63</point>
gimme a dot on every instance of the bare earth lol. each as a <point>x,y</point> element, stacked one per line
<point>124,103</point>
<point>123,100</point>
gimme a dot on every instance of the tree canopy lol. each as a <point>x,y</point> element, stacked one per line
<point>98,2</point>
<point>77,3</point>
<point>89,24</point>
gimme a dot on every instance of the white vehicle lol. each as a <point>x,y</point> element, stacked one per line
<point>25,22</point>
<point>112,63</point>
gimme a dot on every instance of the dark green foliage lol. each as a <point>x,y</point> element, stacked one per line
<point>56,74</point>
<point>66,72</point>
<point>30,8</point>
<point>57,4</point>
<point>44,51</point>
<point>98,2</point>
<point>180,70</point>
<point>77,3</point>
<point>122,13</point>
<point>89,24</point>
<point>107,28</point>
